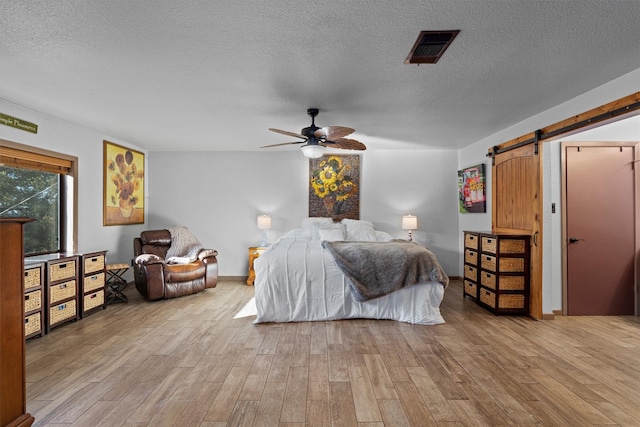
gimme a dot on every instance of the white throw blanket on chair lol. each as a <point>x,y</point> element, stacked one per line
<point>184,246</point>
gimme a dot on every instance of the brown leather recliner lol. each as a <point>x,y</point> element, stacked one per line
<point>155,279</point>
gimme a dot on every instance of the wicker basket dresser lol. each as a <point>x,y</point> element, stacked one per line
<point>72,284</point>
<point>496,271</point>
<point>92,283</point>
<point>33,299</point>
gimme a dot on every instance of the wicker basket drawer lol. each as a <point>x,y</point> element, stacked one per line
<point>62,291</point>
<point>61,312</point>
<point>512,283</point>
<point>488,297</point>
<point>511,265</point>
<point>93,300</point>
<point>32,301</point>
<point>93,282</point>
<point>471,288</point>
<point>62,270</point>
<point>489,244</point>
<point>470,272</point>
<point>92,264</point>
<point>488,262</point>
<point>471,241</point>
<point>471,256</point>
<point>511,302</point>
<point>32,324</point>
<point>512,246</point>
<point>31,278</point>
<point>489,280</point>
<point>505,301</point>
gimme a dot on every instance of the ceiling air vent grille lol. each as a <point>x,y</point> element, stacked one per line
<point>430,46</point>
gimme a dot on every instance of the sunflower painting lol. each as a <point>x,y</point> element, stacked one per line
<point>334,187</point>
<point>123,185</point>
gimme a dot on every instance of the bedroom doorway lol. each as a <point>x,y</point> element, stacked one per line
<point>600,238</point>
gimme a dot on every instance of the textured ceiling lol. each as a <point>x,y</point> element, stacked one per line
<point>215,75</point>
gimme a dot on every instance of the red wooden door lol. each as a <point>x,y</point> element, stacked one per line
<point>600,230</point>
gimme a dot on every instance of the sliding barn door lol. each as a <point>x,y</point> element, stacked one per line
<point>517,207</point>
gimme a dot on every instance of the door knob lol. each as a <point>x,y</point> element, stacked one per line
<point>574,239</point>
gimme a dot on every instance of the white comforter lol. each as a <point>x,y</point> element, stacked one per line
<point>298,280</point>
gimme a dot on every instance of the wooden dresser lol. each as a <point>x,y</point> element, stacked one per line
<point>496,271</point>
<point>13,396</point>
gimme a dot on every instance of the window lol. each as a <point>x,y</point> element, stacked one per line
<point>35,185</point>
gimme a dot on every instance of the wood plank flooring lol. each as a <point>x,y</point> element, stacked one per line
<point>188,362</point>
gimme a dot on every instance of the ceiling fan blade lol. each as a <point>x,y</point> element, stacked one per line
<point>283,143</point>
<point>334,131</point>
<point>345,144</point>
<point>285,132</point>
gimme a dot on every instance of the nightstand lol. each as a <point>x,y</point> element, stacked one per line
<point>254,253</point>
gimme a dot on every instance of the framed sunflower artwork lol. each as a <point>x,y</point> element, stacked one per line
<point>123,188</point>
<point>334,186</point>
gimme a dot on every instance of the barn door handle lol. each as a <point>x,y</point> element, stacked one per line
<point>574,239</point>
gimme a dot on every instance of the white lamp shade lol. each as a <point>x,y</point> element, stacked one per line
<point>264,222</point>
<point>409,222</point>
<point>313,151</point>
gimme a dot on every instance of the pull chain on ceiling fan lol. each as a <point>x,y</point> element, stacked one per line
<point>317,139</point>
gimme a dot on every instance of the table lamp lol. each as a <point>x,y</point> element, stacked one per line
<point>410,222</point>
<point>264,224</point>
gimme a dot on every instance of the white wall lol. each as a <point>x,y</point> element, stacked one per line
<point>475,153</point>
<point>218,195</point>
<point>87,145</point>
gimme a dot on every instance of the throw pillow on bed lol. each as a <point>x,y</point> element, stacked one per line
<point>313,224</point>
<point>359,230</point>
<point>331,234</point>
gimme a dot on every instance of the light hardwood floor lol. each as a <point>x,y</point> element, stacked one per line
<point>188,362</point>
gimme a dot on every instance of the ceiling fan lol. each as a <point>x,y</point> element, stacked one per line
<point>317,139</point>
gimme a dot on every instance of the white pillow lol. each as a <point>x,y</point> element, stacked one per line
<point>331,234</point>
<point>148,259</point>
<point>316,220</point>
<point>358,230</point>
<point>382,236</point>
<point>313,224</point>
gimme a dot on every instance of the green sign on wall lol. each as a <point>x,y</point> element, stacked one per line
<point>17,123</point>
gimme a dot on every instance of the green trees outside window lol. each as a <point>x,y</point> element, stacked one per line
<point>33,194</point>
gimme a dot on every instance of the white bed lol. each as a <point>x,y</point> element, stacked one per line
<point>298,280</point>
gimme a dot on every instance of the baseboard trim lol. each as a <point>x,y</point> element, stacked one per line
<point>455,278</point>
<point>233,278</point>
<point>548,316</point>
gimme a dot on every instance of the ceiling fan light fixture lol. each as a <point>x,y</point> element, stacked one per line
<point>313,151</point>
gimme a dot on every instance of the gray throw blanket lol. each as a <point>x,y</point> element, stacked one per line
<point>374,269</point>
<point>184,246</point>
